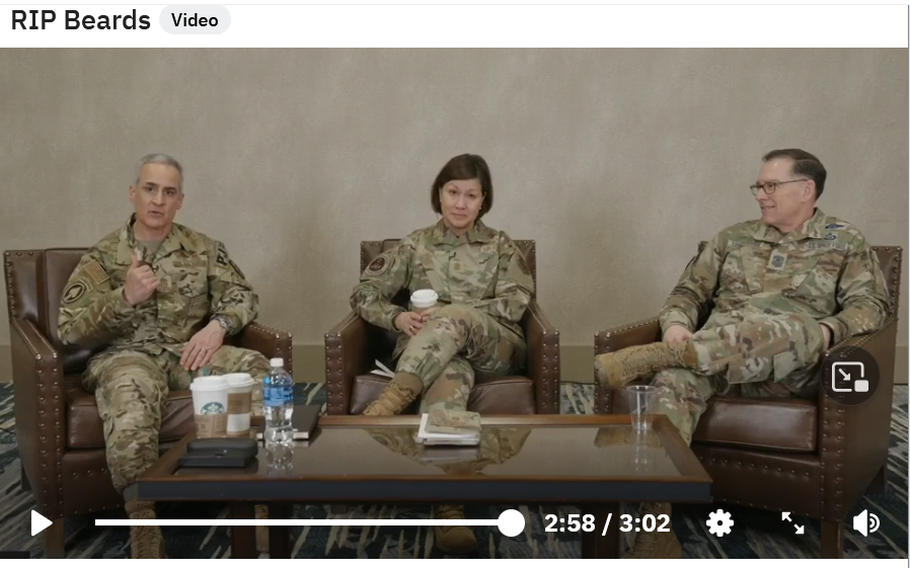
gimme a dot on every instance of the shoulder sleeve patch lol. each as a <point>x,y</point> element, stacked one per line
<point>95,272</point>
<point>74,291</point>
<point>378,266</point>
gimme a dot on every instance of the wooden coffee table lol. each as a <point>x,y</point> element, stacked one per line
<point>593,462</point>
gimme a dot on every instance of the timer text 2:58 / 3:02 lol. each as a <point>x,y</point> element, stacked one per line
<point>586,523</point>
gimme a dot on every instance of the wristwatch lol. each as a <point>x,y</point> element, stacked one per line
<point>225,323</point>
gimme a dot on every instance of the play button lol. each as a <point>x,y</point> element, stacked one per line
<point>39,522</point>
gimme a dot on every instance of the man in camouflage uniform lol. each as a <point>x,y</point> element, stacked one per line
<point>784,290</point>
<point>484,287</point>
<point>140,297</point>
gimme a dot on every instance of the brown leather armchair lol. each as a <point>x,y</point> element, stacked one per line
<point>814,458</point>
<point>58,429</point>
<point>352,346</point>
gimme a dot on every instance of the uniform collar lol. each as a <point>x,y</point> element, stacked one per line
<point>175,240</point>
<point>479,233</point>
<point>812,228</point>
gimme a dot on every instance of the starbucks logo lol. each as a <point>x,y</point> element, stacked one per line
<point>213,408</point>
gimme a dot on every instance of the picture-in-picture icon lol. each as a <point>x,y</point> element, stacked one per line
<point>849,376</point>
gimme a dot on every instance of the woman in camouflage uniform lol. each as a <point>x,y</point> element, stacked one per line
<point>484,287</point>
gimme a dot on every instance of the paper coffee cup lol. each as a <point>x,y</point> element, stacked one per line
<point>240,401</point>
<point>210,406</point>
<point>423,299</point>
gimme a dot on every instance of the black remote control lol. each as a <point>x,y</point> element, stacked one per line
<point>246,446</point>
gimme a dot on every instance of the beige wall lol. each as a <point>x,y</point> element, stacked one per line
<point>616,161</point>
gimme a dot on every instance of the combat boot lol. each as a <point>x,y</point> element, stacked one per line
<point>396,397</point>
<point>145,542</point>
<point>654,545</point>
<point>453,540</point>
<point>619,368</point>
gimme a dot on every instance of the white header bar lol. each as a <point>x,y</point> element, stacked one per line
<point>453,26</point>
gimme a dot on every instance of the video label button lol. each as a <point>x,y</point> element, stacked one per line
<point>195,19</point>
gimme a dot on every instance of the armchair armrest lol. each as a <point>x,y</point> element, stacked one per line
<point>543,359</point>
<point>853,440</point>
<point>345,358</point>
<point>40,406</point>
<point>268,341</point>
<point>640,332</point>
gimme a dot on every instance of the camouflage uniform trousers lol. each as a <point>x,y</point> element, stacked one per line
<point>764,356</point>
<point>457,342</point>
<point>131,388</point>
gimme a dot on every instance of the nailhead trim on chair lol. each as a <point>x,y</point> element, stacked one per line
<point>277,334</point>
<point>724,463</point>
<point>336,400</point>
<point>41,413</point>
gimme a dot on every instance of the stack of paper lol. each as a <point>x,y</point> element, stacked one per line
<point>450,428</point>
<point>382,370</point>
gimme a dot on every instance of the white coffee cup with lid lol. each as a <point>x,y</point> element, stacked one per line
<point>210,406</point>
<point>239,405</point>
<point>423,299</point>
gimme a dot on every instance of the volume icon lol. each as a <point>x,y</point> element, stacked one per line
<point>866,523</point>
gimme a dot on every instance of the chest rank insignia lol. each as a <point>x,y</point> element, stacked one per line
<point>777,260</point>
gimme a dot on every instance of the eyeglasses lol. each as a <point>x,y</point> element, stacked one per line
<point>771,186</point>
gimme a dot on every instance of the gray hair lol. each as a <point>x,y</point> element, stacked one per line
<point>160,159</point>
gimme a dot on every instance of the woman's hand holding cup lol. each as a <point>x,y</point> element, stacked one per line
<point>409,323</point>
<point>424,304</point>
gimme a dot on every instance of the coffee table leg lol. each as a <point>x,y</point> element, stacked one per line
<point>280,537</point>
<point>594,544</point>
<point>243,539</point>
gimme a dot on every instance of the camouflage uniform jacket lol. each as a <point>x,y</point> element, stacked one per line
<point>195,278</point>
<point>482,269</point>
<point>825,269</point>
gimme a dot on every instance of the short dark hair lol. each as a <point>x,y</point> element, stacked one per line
<point>465,166</point>
<point>804,164</point>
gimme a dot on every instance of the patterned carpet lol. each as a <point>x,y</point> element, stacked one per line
<point>756,534</point>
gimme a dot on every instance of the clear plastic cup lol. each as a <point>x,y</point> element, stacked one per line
<point>210,406</point>
<point>240,402</point>
<point>642,402</point>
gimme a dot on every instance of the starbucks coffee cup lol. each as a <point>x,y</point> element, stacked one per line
<point>239,404</point>
<point>210,406</point>
<point>423,299</point>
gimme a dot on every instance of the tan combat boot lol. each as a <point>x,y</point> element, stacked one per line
<point>619,368</point>
<point>395,398</point>
<point>262,533</point>
<point>145,542</point>
<point>453,540</point>
<point>656,544</point>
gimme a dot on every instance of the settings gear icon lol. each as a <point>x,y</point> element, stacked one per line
<point>719,523</point>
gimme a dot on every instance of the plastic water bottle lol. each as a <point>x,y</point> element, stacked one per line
<point>278,403</point>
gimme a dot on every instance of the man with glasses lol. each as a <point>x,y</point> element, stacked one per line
<point>784,289</point>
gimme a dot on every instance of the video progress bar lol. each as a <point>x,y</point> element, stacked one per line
<point>510,523</point>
